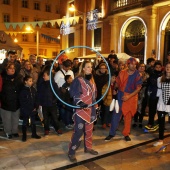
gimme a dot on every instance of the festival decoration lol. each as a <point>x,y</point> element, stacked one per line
<point>92,19</point>
<point>50,38</point>
<point>40,23</point>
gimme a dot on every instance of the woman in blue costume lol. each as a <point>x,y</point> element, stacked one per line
<point>83,91</point>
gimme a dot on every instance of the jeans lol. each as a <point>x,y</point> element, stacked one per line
<point>50,111</point>
<point>66,115</point>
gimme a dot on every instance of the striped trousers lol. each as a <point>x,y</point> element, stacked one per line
<point>80,127</point>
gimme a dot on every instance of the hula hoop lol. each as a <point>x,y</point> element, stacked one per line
<point>73,106</point>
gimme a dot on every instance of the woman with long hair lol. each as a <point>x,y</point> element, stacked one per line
<point>163,106</point>
<point>29,70</point>
<point>83,91</point>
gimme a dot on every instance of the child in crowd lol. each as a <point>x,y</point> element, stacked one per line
<point>152,91</point>
<point>66,111</point>
<point>142,97</point>
<point>48,101</point>
<point>106,120</point>
<point>28,107</point>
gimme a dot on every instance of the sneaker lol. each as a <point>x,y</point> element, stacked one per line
<point>69,127</point>
<point>109,125</point>
<point>158,143</point>
<point>72,125</point>
<point>46,133</point>
<point>127,138</point>
<point>59,132</point>
<point>72,158</point>
<point>91,151</point>
<point>15,135</point>
<point>52,127</point>
<point>104,126</point>
<point>9,136</point>
<point>35,136</point>
<point>108,138</point>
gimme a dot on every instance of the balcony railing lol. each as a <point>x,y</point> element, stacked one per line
<point>159,1</point>
<point>125,5</point>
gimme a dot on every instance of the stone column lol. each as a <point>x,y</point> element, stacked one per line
<point>151,34</point>
<point>114,39</point>
<point>162,42</point>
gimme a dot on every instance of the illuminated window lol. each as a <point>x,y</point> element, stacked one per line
<point>71,40</point>
<point>48,8</point>
<point>54,53</point>
<point>57,10</point>
<point>122,3</point>
<point>7,2</point>
<point>97,39</point>
<point>37,6</point>
<point>24,37</point>
<point>25,3</point>
<point>6,18</point>
<point>24,19</point>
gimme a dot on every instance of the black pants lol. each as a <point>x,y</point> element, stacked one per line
<point>27,116</point>
<point>139,116</point>
<point>161,120</point>
<point>152,110</point>
<point>50,112</point>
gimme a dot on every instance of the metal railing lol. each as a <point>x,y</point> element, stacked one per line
<point>125,5</point>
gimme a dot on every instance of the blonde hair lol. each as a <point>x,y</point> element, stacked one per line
<point>27,61</point>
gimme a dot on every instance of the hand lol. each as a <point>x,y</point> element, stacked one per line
<point>97,110</point>
<point>82,104</point>
<point>125,98</point>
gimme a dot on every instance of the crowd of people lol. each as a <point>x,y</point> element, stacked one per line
<point>25,89</point>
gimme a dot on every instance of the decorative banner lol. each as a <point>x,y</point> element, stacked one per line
<point>40,23</point>
<point>92,18</point>
<point>50,38</point>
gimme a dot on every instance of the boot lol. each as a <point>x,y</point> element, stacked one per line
<point>24,133</point>
<point>34,134</point>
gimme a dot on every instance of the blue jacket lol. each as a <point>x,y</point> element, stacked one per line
<point>28,100</point>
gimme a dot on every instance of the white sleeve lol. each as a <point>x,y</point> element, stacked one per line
<point>57,78</point>
<point>159,91</point>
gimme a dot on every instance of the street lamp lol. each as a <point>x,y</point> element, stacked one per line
<point>73,9</point>
<point>29,29</point>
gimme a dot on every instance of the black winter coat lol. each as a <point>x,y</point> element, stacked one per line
<point>46,96</point>
<point>11,88</point>
<point>28,100</point>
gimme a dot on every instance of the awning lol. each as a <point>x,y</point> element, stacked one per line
<point>7,43</point>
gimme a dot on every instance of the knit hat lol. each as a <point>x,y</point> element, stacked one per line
<point>132,60</point>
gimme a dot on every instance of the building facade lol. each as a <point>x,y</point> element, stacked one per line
<point>139,28</point>
<point>41,39</point>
